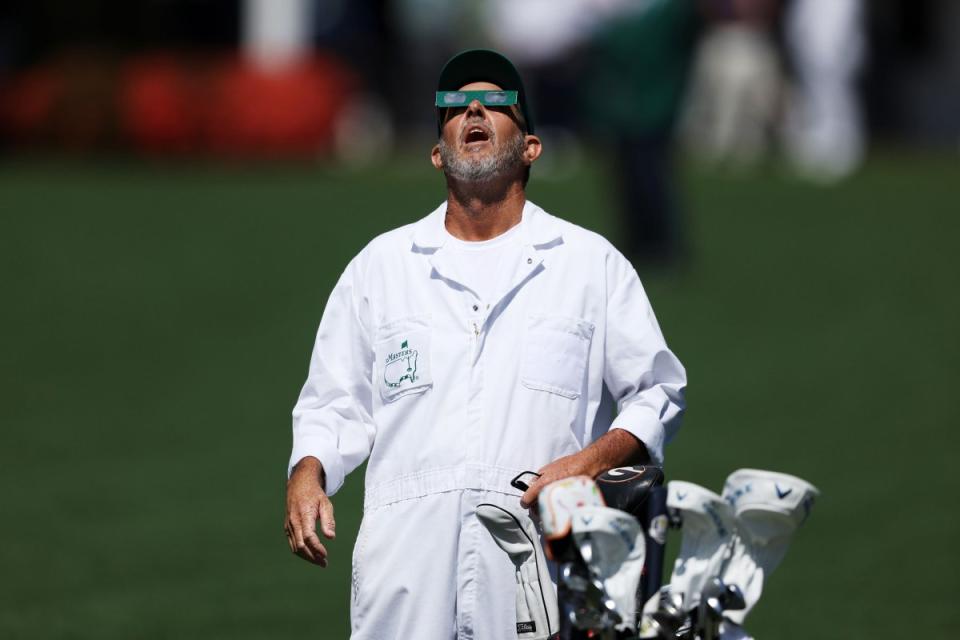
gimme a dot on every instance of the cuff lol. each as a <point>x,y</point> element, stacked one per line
<point>324,451</point>
<point>643,423</point>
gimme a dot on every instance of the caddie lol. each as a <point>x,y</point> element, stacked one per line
<point>483,340</point>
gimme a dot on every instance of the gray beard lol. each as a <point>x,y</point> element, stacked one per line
<point>484,169</point>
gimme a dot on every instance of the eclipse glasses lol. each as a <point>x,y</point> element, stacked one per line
<point>447,99</point>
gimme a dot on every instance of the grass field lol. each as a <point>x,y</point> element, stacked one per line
<point>156,327</point>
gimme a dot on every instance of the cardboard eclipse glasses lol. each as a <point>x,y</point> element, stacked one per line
<point>448,99</point>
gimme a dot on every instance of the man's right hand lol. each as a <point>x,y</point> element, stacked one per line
<point>306,504</point>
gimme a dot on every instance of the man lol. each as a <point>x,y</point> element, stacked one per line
<point>459,351</point>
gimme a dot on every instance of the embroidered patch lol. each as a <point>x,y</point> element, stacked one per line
<point>403,361</point>
<point>401,366</point>
<point>527,627</point>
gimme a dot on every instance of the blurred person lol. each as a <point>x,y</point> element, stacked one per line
<point>361,33</point>
<point>733,108</point>
<point>484,340</point>
<point>635,80</point>
<point>824,133</point>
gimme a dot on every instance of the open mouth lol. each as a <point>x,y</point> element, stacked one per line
<point>476,133</point>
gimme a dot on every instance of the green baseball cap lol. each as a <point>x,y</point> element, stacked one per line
<point>483,65</point>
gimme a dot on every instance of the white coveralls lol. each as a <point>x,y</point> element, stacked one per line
<point>450,396</point>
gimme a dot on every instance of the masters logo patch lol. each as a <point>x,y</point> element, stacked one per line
<point>400,366</point>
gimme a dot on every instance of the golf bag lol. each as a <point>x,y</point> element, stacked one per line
<point>607,537</point>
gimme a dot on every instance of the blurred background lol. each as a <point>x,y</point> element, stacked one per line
<point>182,182</point>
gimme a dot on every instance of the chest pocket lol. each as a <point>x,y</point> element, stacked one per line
<point>402,351</point>
<point>555,354</point>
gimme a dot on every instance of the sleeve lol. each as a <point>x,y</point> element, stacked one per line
<point>644,377</point>
<point>333,418</point>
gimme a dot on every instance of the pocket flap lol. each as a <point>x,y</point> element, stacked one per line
<point>555,354</point>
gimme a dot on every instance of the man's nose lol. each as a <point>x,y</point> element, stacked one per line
<point>475,108</point>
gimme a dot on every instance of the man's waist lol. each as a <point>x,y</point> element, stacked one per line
<point>426,482</point>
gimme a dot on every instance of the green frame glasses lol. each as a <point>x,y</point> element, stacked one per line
<point>488,98</point>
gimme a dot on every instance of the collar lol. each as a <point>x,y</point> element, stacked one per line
<point>539,228</point>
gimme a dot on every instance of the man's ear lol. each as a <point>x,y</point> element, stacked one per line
<point>532,148</point>
<point>435,158</point>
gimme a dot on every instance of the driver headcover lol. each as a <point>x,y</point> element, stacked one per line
<point>515,533</point>
<point>769,508</point>
<point>706,535</point>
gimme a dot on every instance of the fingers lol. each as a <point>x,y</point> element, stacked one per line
<point>529,497</point>
<point>312,549</point>
<point>305,542</point>
<point>299,545</point>
<point>301,527</point>
<point>327,523</point>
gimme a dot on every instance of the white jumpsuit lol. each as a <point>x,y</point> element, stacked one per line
<point>449,396</point>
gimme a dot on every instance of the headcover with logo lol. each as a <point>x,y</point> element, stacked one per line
<point>609,541</point>
<point>612,545</point>
<point>628,488</point>
<point>769,507</point>
<point>515,533</point>
<point>707,533</point>
<point>557,503</point>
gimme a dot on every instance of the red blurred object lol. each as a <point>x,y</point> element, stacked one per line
<point>276,112</point>
<point>29,101</point>
<point>174,104</point>
<point>158,108</point>
<point>67,102</point>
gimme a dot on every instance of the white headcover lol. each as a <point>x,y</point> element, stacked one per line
<point>618,552</point>
<point>574,506</point>
<point>536,599</point>
<point>559,500</point>
<point>769,507</point>
<point>707,533</point>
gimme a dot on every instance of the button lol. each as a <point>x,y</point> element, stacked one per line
<point>476,308</point>
<point>529,260</point>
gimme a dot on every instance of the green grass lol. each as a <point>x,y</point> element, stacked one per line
<point>156,328</point>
